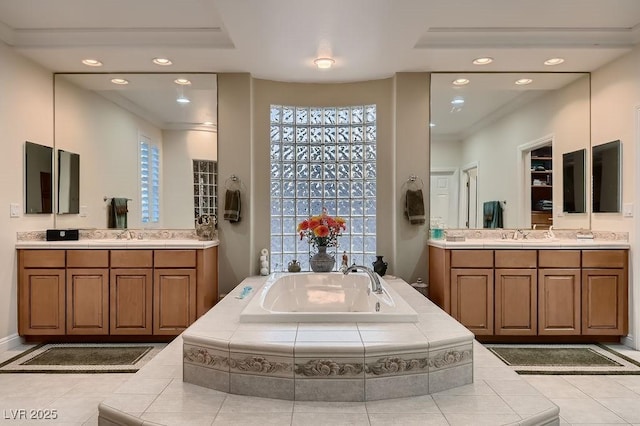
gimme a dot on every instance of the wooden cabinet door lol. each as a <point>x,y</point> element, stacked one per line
<point>516,302</point>
<point>88,301</point>
<point>559,302</point>
<point>604,302</point>
<point>42,301</point>
<point>130,297</point>
<point>472,299</point>
<point>174,300</point>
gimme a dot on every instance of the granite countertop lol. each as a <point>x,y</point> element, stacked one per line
<point>112,243</point>
<point>539,243</point>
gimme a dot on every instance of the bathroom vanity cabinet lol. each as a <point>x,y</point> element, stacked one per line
<point>530,292</point>
<point>93,292</point>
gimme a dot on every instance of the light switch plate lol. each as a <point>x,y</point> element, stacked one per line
<point>83,211</point>
<point>627,210</point>
<point>14,210</point>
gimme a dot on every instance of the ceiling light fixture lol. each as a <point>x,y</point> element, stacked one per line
<point>162,61</point>
<point>324,63</point>
<point>457,101</point>
<point>121,81</point>
<point>554,61</point>
<point>182,81</point>
<point>208,123</point>
<point>432,125</point>
<point>482,61</point>
<point>524,81</point>
<point>92,62</point>
<point>183,99</point>
<point>460,81</point>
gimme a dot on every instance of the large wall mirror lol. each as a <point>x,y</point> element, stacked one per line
<point>497,147</point>
<point>606,172</point>
<point>38,179</point>
<point>105,118</point>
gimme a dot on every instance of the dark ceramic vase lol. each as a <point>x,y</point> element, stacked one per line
<point>322,261</point>
<point>380,266</point>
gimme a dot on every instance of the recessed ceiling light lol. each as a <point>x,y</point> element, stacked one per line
<point>183,100</point>
<point>182,81</point>
<point>92,62</point>
<point>162,61</point>
<point>523,81</point>
<point>554,61</point>
<point>460,81</point>
<point>324,63</point>
<point>208,123</point>
<point>482,61</point>
<point>119,81</point>
<point>457,101</point>
<point>432,125</point>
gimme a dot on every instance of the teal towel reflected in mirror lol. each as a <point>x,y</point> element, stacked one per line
<point>492,213</point>
<point>118,213</point>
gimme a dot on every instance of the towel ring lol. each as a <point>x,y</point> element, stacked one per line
<point>233,182</point>
<point>415,180</point>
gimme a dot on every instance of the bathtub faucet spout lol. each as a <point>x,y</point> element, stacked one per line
<point>375,281</point>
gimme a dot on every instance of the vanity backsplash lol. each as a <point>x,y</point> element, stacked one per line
<point>534,234</point>
<point>143,234</point>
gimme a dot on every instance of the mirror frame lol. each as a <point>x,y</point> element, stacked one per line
<point>614,186</point>
<point>31,183</point>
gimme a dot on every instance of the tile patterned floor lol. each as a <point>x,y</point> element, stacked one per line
<point>582,399</point>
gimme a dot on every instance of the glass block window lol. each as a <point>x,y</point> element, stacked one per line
<point>149,181</point>
<point>205,188</point>
<point>323,157</point>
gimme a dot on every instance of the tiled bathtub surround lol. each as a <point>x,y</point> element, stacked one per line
<point>328,361</point>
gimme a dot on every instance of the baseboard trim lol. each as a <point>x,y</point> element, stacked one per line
<point>10,342</point>
<point>629,341</point>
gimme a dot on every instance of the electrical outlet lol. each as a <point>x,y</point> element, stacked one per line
<point>14,210</point>
<point>627,210</point>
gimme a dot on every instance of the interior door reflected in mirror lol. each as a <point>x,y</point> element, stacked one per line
<point>68,182</point>
<point>573,182</point>
<point>38,164</point>
<point>492,123</point>
<point>606,172</point>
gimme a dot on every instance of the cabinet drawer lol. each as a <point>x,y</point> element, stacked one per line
<point>131,258</point>
<point>515,258</point>
<point>42,258</point>
<point>174,258</point>
<point>604,258</point>
<point>559,258</point>
<point>472,258</point>
<point>87,258</point>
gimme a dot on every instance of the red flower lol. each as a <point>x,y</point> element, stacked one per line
<point>321,231</point>
<point>303,226</point>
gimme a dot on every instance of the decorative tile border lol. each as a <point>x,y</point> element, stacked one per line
<point>570,234</point>
<point>450,357</point>
<point>206,357</point>
<point>327,368</point>
<point>261,365</point>
<point>395,365</point>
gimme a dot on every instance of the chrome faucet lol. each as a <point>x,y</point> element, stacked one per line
<point>375,281</point>
<point>550,233</point>
<point>519,232</point>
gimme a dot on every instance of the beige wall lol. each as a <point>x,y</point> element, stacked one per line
<point>615,94</point>
<point>26,114</point>
<point>106,137</point>
<point>179,149</point>
<point>563,115</point>
<point>402,103</point>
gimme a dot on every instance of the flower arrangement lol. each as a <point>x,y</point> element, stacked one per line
<point>322,230</point>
